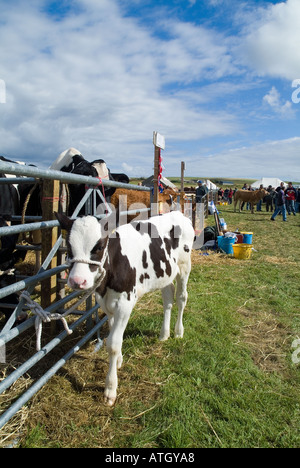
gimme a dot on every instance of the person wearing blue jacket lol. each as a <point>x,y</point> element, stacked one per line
<point>280,206</point>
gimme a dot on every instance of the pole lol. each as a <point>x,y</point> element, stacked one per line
<point>182,176</point>
<point>50,203</point>
<point>159,143</point>
<point>155,181</point>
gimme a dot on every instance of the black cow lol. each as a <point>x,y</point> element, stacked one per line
<point>13,197</point>
<point>9,256</point>
<point>73,162</point>
<point>9,197</point>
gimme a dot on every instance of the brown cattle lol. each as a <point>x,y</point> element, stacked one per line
<point>131,199</point>
<point>249,196</point>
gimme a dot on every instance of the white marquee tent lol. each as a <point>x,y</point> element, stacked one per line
<point>266,181</point>
<point>210,185</point>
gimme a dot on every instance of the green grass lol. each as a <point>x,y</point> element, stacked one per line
<point>230,382</point>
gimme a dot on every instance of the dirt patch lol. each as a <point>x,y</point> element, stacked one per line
<point>210,257</point>
<point>267,339</point>
<point>75,416</point>
<point>280,261</point>
<point>69,410</point>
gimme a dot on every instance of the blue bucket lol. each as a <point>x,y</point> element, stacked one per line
<point>226,243</point>
<point>247,237</point>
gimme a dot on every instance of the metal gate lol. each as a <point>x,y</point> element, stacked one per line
<point>89,316</point>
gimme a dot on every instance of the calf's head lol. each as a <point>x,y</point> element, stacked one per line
<point>87,241</point>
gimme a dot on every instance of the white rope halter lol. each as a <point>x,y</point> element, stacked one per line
<point>88,261</point>
<point>70,261</point>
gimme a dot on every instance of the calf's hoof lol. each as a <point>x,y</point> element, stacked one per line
<point>179,331</point>
<point>109,400</point>
<point>164,337</point>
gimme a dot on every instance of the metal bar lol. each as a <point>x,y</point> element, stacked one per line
<point>18,229</point>
<point>8,230</point>
<point>107,205</point>
<point>31,280</point>
<point>31,283</point>
<point>18,169</point>
<point>27,218</point>
<point>8,381</point>
<point>18,330</point>
<point>17,180</point>
<point>28,247</point>
<point>80,205</point>
<point>12,410</point>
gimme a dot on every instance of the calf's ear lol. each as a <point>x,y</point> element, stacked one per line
<point>65,222</point>
<point>110,223</point>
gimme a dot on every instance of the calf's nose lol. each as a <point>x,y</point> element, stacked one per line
<point>77,282</point>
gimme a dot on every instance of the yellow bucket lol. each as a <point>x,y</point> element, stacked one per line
<point>242,251</point>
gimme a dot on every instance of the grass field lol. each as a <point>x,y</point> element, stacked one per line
<point>230,382</point>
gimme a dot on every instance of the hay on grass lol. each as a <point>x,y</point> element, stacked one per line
<point>267,339</point>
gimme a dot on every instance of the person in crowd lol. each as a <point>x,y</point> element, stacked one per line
<point>280,207</point>
<point>201,191</point>
<point>290,198</point>
<point>220,194</point>
<point>230,196</point>
<point>297,203</point>
<point>282,187</point>
<point>226,193</point>
<point>270,198</point>
<point>259,204</point>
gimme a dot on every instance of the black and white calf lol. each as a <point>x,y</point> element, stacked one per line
<point>124,264</point>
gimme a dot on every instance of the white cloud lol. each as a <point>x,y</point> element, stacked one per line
<point>272,42</point>
<point>279,158</point>
<point>101,81</point>
<point>95,81</point>
<point>273,99</point>
<point>194,53</point>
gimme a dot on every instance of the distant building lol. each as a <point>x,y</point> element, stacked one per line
<point>225,182</point>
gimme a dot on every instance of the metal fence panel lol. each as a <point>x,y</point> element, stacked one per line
<point>29,174</point>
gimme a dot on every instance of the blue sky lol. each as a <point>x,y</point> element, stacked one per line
<point>215,77</point>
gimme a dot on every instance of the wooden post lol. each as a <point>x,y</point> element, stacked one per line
<point>155,182</point>
<point>181,197</point>
<point>182,176</point>
<point>50,203</point>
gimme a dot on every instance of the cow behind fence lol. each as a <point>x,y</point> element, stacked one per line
<point>72,161</point>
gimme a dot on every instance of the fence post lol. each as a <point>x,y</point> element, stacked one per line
<point>50,203</point>
<point>155,181</point>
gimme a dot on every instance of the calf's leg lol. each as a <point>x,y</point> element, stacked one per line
<point>168,298</point>
<point>181,296</point>
<point>114,347</point>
